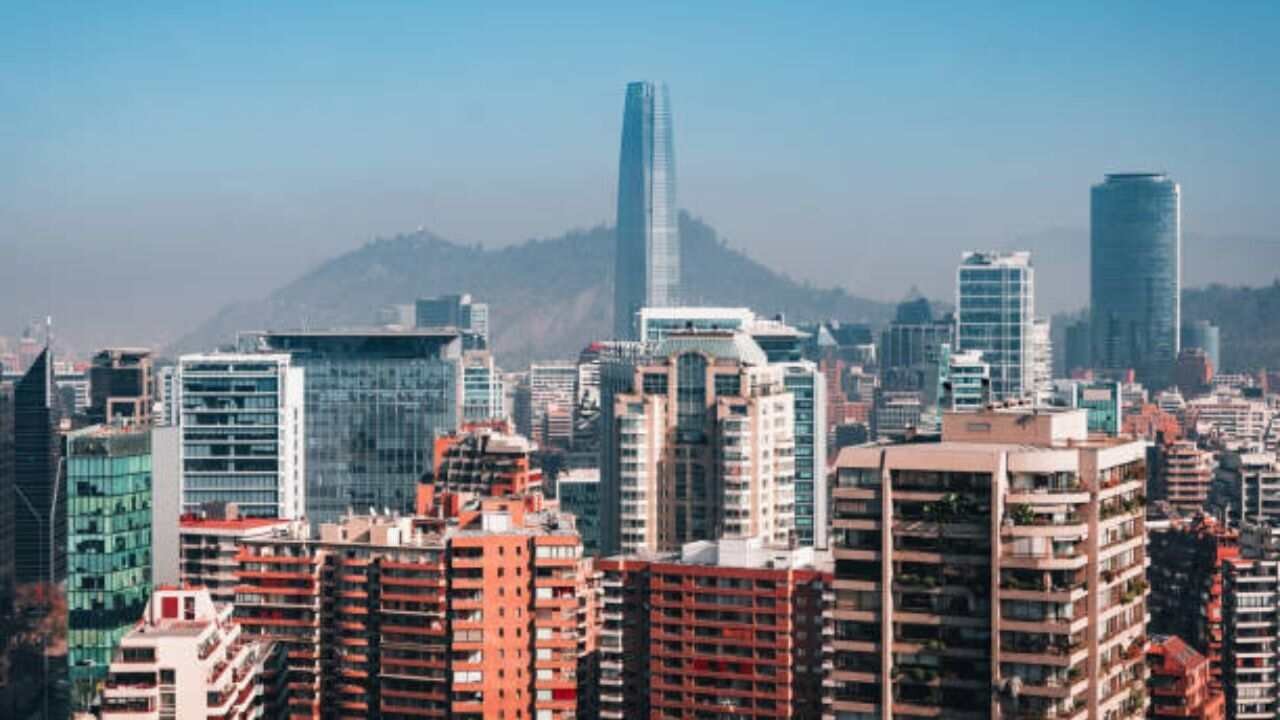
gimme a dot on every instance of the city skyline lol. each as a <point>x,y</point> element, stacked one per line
<point>113,166</point>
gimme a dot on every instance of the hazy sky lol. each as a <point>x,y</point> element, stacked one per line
<point>187,156</point>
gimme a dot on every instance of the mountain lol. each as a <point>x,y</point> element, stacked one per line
<point>1248,318</point>
<point>548,298</point>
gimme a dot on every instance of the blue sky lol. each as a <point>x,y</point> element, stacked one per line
<point>847,144</point>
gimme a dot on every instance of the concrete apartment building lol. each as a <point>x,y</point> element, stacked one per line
<point>208,546</point>
<point>485,462</point>
<point>705,445</point>
<point>481,609</point>
<point>1251,626</point>
<point>188,658</point>
<point>1186,475</point>
<point>724,629</point>
<point>999,572</point>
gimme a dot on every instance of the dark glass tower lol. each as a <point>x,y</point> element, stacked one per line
<point>1135,275</point>
<point>39,495</point>
<point>647,254</point>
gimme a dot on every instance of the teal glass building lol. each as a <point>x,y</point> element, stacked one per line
<point>109,544</point>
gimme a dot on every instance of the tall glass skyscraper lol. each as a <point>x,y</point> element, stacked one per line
<point>647,255</point>
<point>1135,274</point>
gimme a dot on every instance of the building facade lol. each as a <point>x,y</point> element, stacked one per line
<point>109,544</point>
<point>647,254</point>
<point>456,311</point>
<point>726,629</point>
<point>243,433</point>
<point>39,505</point>
<point>188,658</point>
<point>121,386</point>
<point>999,572</point>
<point>550,384</point>
<point>706,445</point>
<point>375,401</point>
<point>482,392</point>
<point>995,315</point>
<point>1135,259</point>
<point>209,546</point>
<point>1205,336</point>
<point>1186,475</point>
<point>471,613</point>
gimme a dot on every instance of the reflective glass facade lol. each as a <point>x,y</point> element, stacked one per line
<point>808,391</point>
<point>647,254</point>
<point>995,294</point>
<point>1135,274</point>
<point>374,404</point>
<point>109,543</point>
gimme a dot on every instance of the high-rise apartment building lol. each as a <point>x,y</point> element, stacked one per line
<point>1187,557</point>
<point>808,389</point>
<point>1258,481</point>
<point>549,384</point>
<point>995,315</point>
<point>243,433</point>
<point>40,502</point>
<point>188,658</point>
<point>209,543</point>
<point>722,629</point>
<point>999,572</point>
<point>705,445</point>
<point>647,251</point>
<point>1135,257</point>
<point>472,612</point>
<point>456,311</point>
<point>109,544</point>
<point>375,400</point>
<point>1251,626</point>
<point>121,386</point>
<point>1186,474</point>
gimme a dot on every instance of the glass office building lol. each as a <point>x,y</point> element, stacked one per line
<point>242,426</point>
<point>647,254</point>
<point>1135,275</point>
<point>1205,336</point>
<point>375,400</point>
<point>109,544</point>
<point>995,315</point>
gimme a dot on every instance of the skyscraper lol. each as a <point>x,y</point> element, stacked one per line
<point>995,310</point>
<point>1135,275</point>
<point>647,254</point>
<point>40,496</point>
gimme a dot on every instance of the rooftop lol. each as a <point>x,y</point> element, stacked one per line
<point>237,524</point>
